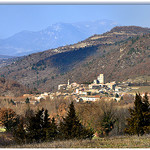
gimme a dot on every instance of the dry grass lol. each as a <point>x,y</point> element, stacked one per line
<point>6,139</point>
<point>111,142</point>
<point>142,89</point>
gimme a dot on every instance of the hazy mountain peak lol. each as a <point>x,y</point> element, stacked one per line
<point>55,35</point>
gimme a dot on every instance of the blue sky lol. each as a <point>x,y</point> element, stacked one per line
<point>15,18</point>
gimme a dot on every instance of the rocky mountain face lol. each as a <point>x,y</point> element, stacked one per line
<point>56,35</point>
<point>119,54</point>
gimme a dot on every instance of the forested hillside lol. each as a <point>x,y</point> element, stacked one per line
<point>11,88</point>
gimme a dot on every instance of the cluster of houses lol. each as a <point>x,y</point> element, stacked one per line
<point>94,91</point>
<point>85,92</point>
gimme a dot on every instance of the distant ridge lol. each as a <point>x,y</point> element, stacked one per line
<point>5,57</point>
<point>56,35</point>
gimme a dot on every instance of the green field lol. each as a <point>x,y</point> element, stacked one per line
<point>110,142</point>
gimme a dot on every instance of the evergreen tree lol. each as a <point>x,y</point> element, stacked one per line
<point>51,130</point>
<point>116,95</point>
<point>146,105</point>
<point>46,120</point>
<point>146,114</point>
<point>71,127</point>
<point>139,122</point>
<point>28,114</point>
<point>11,101</point>
<point>35,127</point>
<point>40,128</point>
<point>49,127</point>
<point>27,100</point>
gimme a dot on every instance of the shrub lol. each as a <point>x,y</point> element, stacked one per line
<point>8,118</point>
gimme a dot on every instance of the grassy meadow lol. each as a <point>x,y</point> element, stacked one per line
<point>107,142</point>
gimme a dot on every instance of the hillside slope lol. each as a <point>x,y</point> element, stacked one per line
<point>11,88</point>
<point>120,53</point>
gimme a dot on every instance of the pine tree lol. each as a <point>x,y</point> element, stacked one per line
<point>49,127</point>
<point>11,101</point>
<point>40,128</point>
<point>146,114</point>
<point>51,130</point>
<point>35,127</point>
<point>27,100</point>
<point>116,95</point>
<point>46,120</point>
<point>71,127</point>
<point>138,116</point>
<point>146,105</point>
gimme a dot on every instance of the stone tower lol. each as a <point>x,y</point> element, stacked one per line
<point>68,82</point>
<point>100,78</point>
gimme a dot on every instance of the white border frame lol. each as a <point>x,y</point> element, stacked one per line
<point>75,2</point>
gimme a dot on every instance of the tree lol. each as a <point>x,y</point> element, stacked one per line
<point>51,130</point>
<point>107,123</point>
<point>35,127</point>
<point>46,119</point>
<point>49,127</point>
<point>116,95</point>
<point>11,101</point>
<point>105,119</point>
<point>28,113</point>
<point>8,118</point>
<point>27,100</point>
<point>40,127</point>
<point>19,133</point>
<point>139,121</point>
<point>146,114</point>
<point>121,98</point>
<point>71,127</point>
<point>146,105</point>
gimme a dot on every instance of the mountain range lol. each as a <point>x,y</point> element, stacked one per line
<point>121,53</point>
<point>56,35</point>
